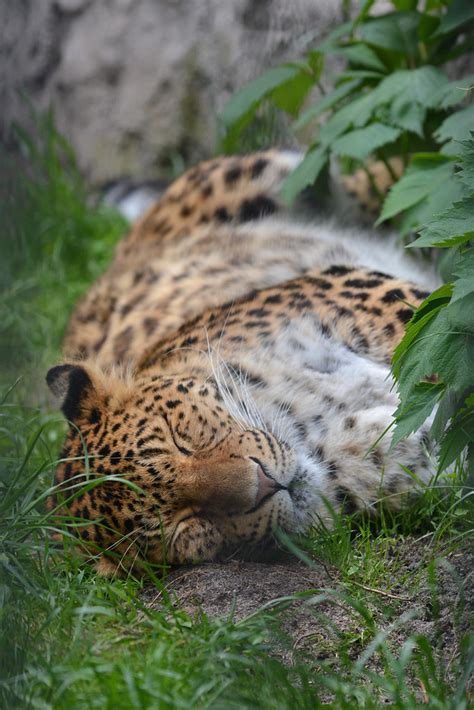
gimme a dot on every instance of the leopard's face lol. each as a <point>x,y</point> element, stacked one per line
<point>183,477</point>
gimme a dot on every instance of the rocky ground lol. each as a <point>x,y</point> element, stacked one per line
<point>441,610</point>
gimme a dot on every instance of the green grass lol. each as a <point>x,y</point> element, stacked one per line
<point>71,639</point>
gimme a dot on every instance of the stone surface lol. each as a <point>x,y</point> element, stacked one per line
<point>136,84</point>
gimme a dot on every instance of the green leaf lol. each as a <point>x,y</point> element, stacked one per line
<point>449,404</point>
<point>437,349</point>
<point>359,144</point>
<point>408,115</point>
<point>315,63</point>
<point>438,298</point>
<point>456,127</point>
<point>421,317</point>
<point>440,198</point>
<point>460,314</point>
<point>428,24</point>
<point>290,95</point>
<point>395,31</point>
<point>427,310</point>
<point>466,173</point>
<point>448,262</point>
<point>325,103</point>
<point>414,86</point>
<point>305,174</point>
<point>244,100</point>
<point>457,437</point>
<point>405,4</point>
<point>363,13</point>
<point>231,140</point>
<point>454,92</point>
<point>350,74</point>
<point>453,226</point>
<point>426,172</point>
<point>356,113</point>
<point>328,45</point>
<point>420,85</point>
<point>464,284</point>
<point>359,54</point>
<point>410,417</point>
<point>459,13</point>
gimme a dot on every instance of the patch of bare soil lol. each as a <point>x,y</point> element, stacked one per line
<point>436,601</point>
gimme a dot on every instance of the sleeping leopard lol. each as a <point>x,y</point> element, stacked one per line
<point>228,375</point>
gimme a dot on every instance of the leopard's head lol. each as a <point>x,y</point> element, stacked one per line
<point>159,468</point>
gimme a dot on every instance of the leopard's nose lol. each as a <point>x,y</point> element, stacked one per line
<point>267,486</point>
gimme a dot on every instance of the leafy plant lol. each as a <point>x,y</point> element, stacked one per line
<point>392,98</point>
<point>439,340</point>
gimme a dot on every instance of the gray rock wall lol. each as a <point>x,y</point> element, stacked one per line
<point>136,84</point>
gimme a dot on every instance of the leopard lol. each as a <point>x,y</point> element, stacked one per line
<point>227,379</point>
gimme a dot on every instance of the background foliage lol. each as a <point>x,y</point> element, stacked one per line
<point>394,98</point>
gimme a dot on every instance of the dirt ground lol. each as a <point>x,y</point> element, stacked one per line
<point>240,588</point>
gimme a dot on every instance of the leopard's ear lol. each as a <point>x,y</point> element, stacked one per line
<point>72,384</point>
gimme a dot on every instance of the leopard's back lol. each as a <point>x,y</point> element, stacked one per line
<point>219,233</point>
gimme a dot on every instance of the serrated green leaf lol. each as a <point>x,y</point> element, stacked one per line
<point>359,54</point>
<point>457,438</point>
<point>411,86</point>
<point>454,92</point>
<point>410,417</point>
<point>466,173</point>
<point>440,198</point>
<point>456,127</point>
<point>426,172</point>
<point>249,95</point>
<point>359,144</point>
<point>407,114</point>
<point>290,95</point>
<point>448,262</point>
<point>449,404</point>
<point>356,113</point>
<point>438,298</point>
<point>451,227</point>
<point>414,86</point>
<point>421,317</point>
<point>438,349</point>
<point>305,174</point>
<point>464,283</point>
<point>395,31</point>
<point>418,85</point>
<point>325,103</point>
<point>459,13</point>
<point>460,314</point>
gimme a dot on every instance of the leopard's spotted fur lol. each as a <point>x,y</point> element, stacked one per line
<point>257,384</point>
